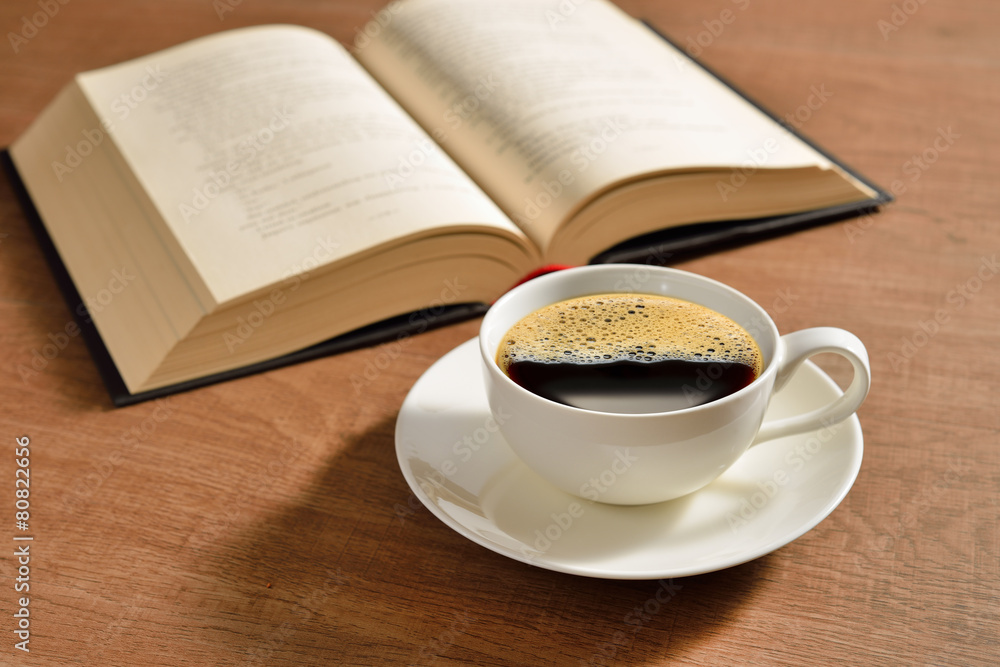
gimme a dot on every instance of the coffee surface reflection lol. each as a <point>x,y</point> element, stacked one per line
<point>629,353</point>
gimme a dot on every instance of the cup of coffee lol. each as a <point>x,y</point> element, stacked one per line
<point>631,384</point>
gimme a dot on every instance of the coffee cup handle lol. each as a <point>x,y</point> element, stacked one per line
<point>799,346</point>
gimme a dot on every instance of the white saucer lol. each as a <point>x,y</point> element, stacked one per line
<point>464,472</point>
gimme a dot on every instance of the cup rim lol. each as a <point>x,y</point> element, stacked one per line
<point>489,356</point>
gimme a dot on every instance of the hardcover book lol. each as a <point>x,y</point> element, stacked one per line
<point>265,195</point>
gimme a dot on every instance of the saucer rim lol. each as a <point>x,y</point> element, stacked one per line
<point>844,484</point>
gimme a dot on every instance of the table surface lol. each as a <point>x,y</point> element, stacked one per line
<point>258,521</point>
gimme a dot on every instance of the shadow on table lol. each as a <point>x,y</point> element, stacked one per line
<point>353,571</point>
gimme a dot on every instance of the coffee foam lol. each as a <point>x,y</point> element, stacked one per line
<point>605,328</point>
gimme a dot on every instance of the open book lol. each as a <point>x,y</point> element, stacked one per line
<point>248,195</point>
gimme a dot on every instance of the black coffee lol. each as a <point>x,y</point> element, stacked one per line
<point>629,353</point>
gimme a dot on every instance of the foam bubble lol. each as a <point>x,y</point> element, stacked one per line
<point>605,328</point>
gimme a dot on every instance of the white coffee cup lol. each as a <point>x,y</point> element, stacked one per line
<point>633,459</point>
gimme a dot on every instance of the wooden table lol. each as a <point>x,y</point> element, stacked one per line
<point>255,522</point>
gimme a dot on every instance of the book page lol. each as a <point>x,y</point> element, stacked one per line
<point>548,102</point>
<point>269,151</point>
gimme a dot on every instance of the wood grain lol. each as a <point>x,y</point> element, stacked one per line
<point>255,522</point>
